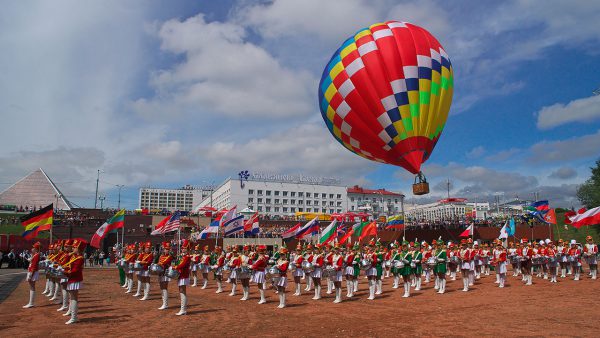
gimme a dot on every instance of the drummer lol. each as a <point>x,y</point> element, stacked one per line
<point>65,258</point>
<point>259,272</point>
<point>33,273</point>
<point>60,251</point>
<point>417,267</point>
<point>563,251</point>
<point>371,272</point>
<point>145,259</point>
<point>298,273</point>
<point>74,272</point>
<point>164,261</point>
<point>590,250</point>
<point>499,260</point>
<point>184,275</point>
<point>317,261</point>
<point>551,253</point>
<point>195,260</point>
<point>48,288</point>
<point>453,265</point>
<point>441,257</point>
<point>406,258</point>
<point>338,266</point>
<point>205,266</point>
<point>575,259</point>
<point>234,265</point>
<point>349,271</point>
<point>282,265</point>
<point>328,255</point>
<point>465,264</point>
<point>218,268</point>
<point>526,257</point>
<point>395,257</point>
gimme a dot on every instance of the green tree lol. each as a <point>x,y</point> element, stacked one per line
<point>589,192</point>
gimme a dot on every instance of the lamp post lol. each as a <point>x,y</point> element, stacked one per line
<point>97,181</point>
<point>120,186</point>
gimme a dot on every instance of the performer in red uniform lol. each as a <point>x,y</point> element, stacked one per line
<point>165,262</point>
<point>234,265</point>
<point>184,275</point>
<point>575,259</point>
<point>74,271</point>
<point>259,272</point>
<point>218,268</point>
<point>281,283</point>
<point>318,262</point>
<point>145,259</point>
<point>64,281</point>
<point>59,252</point>
<point>139,250</point>
<point>349,271</point>
<point>526,256</point>
<point>205,266</point>
<point>499,260</point>
<point>33,273</point>
<point>48,288</point>
<point>338,266</point>
<point>195,262</point>
<point>298,259</point>
<point>465,255</point>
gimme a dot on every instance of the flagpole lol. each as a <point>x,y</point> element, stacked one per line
<point>403,217</point>
<point>179,240</point>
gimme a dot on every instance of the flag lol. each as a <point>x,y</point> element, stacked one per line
<point>504,231</point>
<point>115,222</point>
<point>369,230</point>
<point>37,221</point>
<point>251,226</point>
<point>228,216</point>
<point>588,217</point>
<point>533,213</point>
<point>234,226</point>
<point>395,220</point>
<point>468,232</point>
<point>347,236</point>
<point>550,217</point>
<point>358,228</point>
<point>291,232</point>
<point>308,229</point>
<point>158,228</point>
<point>329,233</point>
<point>173,223</point>
<point>541,206</point>
<point>511,227</point>
<point>212,228</point>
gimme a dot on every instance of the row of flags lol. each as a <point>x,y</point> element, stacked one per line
<point>332,232</point>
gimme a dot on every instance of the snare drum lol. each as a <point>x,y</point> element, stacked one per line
<point>156,269</point>
<point>398,264</point>
<point>137,266</point>
<point>432,261</point>
<point>308,267</point>
<point>365,264</point>
<point>172,273</point>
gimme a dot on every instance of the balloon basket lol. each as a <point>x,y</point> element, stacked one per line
<point>421,188</point>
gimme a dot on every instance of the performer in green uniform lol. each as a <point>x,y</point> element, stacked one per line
<point>417,267</point>
<point>440,268</point>
<point>406,259</point>
<point>395,256</point>
<point>379,268</point>
<point>356,265</point>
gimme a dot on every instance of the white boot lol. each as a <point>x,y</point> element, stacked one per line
<point>73,309</point>
<point>205,284</point>
<point>437,283</point>
<point>563,273</point>
<point>309,284</point>
<point>165,299</point>
<point>69,307</point>
<point>471,278</point>
<point>219,286</point>
<point>233,287</point>
<point>298,290</point>
<point>418,287</point>
<point>31,299</point>
<point>442,286</point>
<point>47,287</point>
<point>396,282</point>
<point>379,287</point>
<point>594,274</point>
<point>262,296</point>
<point>317,292</point>
<point>371,290</point>
<point>183,308</point>
<point>281,300</point>
<point>56,290</point>
<point>338,295</point>
<point>195,281</point>
<point>129,285</point>
<point>465,284</point>
<point>406,290</point>
<point>355,282</point>
<point>329,286</point>
<point>146,291</point>
<point>502,279</point>
<point>139,289</point>
<point>497,279</point>
<point>413,281</point>
<point>65,301</point>
<point>245,291</point>
<point>529,280</point>
<point>453,275</point>
<point>50,290</point>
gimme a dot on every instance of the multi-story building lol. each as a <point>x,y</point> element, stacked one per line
<point>182,199</point>
<point>378,202</point>
<point>448,209</point>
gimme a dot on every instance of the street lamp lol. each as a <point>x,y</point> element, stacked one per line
<point>120,186</point>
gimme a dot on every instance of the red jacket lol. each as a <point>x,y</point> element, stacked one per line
<point>283,267</point>
<point>260,264</point>
<point>74,268</point>
<point>339,263</point>
<point>184,267</point>
<point>319,262</point>
<point>235,262</point>
<point>220,261</point>
<point>146,260</point>
<point>165,261</point>
<point>33,264</point>
<point>298,260</point>
<point>350,259</point>
<point>131,258</point>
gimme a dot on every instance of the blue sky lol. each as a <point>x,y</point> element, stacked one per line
<point>167,93</point>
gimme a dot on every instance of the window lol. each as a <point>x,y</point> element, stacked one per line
<point>300,209</point>
<point>300,194</point>
<point>308,195</point>
<point>259,208</point>
<point>259,192</point>
<point>276,193</point>
<point>339,204</point>
<point>396,200</point>
<point>351,199</point>
<point>250,200</point>
<point>322,210</point>
<point>285,193</point>
<point>268,192</point>
<point>251,191</point>
<point>292,202</point>
<point>339,210</point>
<point>330,203</point>
<point>300,202</point>
<point>285,209</point>
<point>331,196</point>
<point>267,209</point>
<point>277,201</point>
<point>292,209</point>
<point>259,200</point>
<point>276,209</point>
<point>352,208</point>
<point>339,196</point>
<point>307,202</point>
<point>268,201</point>
<point>285,201</point>
<point>331,211</point>
<point>293,194</point>
<point>317,202</point>
<point>323,195</point>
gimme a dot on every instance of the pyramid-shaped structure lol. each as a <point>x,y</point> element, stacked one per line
<point>35,189</point>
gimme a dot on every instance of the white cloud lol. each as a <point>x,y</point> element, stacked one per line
<point>565,150</point>
<point>580,110</point>
<point>563,173</point>
<point>476,152</point>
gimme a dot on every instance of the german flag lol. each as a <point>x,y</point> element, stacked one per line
<point>37,221</point>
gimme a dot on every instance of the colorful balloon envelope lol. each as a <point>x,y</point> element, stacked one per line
<point>386,92</point>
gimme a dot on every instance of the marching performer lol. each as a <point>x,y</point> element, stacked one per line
<point>74,271</point>
<point>146,258</point>
<point>298,272</point>
<point>465,265</point>
<point>486,252</point>
<point>591,254</point>
<point>499,260</point>
<point>338,265</point>
<point>417,267</point>
<point>427,271</point>
<point>553,258</point>
<point>349,271</point>
<point>563,252</point>
<point>205,266</point>
<point>49,282</point>
<point>234,265</point>
<point>282,265</point>
<point>453,265</point>
<point>60,251</point>
<point>165,262</point>
<point>195,261</point>
<point>308,256</point>
<point>514,260</point>
<point>184,276</point>
<point>33,273</point>
<point>259,272</point>
<point>64,281</point>
<point>387,256</point>
<point>395,271</point>
<point>441,257</point>
<point>526,255</point>
<point>575,259</point>
<point>318,262</point>
<point>219,263</point>
<point>379,269</point>
<point>130,257</point>
<point>356,266</point>
<point>328,264</point>
<point>406,258</point>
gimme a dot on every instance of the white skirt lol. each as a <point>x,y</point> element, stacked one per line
<point>145,273</point>
<point>258,277</point>
<point>349,270</point>
<point>317,273</point>
<point>465,265</point>
<point>183,281</point>
<point>206,269</point>
<point>233,274</point>
<point>592,259</point>
<point>74,286</point>
<point>164,278</point>
<point>298,273</point>
<point>194,267</point>
<point>219,271</point>
<point>502,267</point>
<point>338,276</point>
<point>33,276</point>
<point>282,281</point>
<point>372,271</point>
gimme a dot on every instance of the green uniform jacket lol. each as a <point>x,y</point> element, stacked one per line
<point>356,264</point>
<point>418,269</point>
<point>395,257</point>
<point>379,265</point>
<point>440,267</point>
<point>406,258</point>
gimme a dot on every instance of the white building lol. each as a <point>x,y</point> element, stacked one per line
<point>172,199</point>
<point>378,202</point>
<point>448,209</point>
<point>279,195</point>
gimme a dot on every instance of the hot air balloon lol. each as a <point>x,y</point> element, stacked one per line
<point>385,95</point>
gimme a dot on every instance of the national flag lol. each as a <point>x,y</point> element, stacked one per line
<point>347,236</point>
<point>159,227</point>
<point>234,226</point>
<point>212,228</point>
<point>329,233</point>
<point>395,220</point>
<point>358,228</point>
<point>533,213</point>
<point>586,218</point>
<point>291,232</point>
<point>251,226</point>
<point>369,230</point>
<point>228,216</point>
<point>468,232</point>
<point>115,222</point>
<point>308,229</point>
<point>550,217</point>
<point>541,206</point>
<point>511,227</point>
<point>504,231</point>
<point>173,223</point>
<point>37,221</point>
